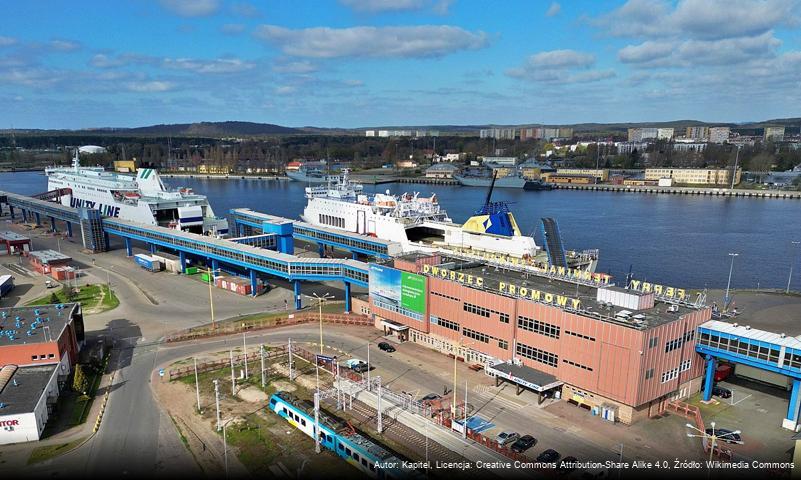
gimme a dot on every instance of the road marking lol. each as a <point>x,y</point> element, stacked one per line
<point>740,400</point>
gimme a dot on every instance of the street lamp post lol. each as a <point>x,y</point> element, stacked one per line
<point>711,439</point>
<point>728,284</point>
<point>792,259</point>
<point>210,274</point>
<point>320,301</point>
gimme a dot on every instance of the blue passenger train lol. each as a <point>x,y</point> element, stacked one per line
<point>342,439</point>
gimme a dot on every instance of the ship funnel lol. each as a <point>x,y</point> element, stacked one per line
<point>76,161</point>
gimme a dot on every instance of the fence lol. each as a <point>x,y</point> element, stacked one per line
<point>270,323</point>
<point>273,352</point>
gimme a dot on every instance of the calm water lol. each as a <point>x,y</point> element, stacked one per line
<point>671,239</point>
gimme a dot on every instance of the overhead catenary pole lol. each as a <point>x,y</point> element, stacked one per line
<point>197,384</point>
<point>290,360</point>
<point>217,401</point>
<point>317,421</point>
<point>261,354</point>
<point>464,425</point>
<point>225,449</point>
<point>233,381</point>
<point>379,424</point>
<point>245,353</point>
<point>368,367</point>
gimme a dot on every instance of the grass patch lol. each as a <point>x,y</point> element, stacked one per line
<point>41,454</point>
<point>257,449</point>
<point>83,403</point>
<point>97,298</point>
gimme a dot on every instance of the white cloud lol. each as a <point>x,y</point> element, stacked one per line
<point>560,66</point>
<point>219,65</point>
<point>353,83</point>
<point>232,28</point>
<point>7,41</point>
<point>285,90</point>
<point>64,45</point>
<point>553,10</point>
<point>412,41</point>
<point>560,59</point>
<point>102,60</point>
<point>151,86</point>
<point>701,19</point>
<point>294,67</point>
<point>687,53</point>
<point>191,8</point>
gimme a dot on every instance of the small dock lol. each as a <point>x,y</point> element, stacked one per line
<point>428,181</point>
<point>719,192</point>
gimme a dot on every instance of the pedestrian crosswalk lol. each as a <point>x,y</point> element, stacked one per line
<point>493,394</point>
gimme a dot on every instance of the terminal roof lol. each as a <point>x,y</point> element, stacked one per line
<point>590,307</point>
<point>12,236</point>
<point>49,256</point>
<point>25,388</point>
<point>15,331</point>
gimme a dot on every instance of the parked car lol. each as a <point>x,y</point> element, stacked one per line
<point>358,366</point>
<point>431,397</point>
<point>386,347</point>
<point>721,392</point>
<point>723,372</point>
<point>564,467</point>
<point>549,455</point>
<point>505,438</point>
<point>523,443</point>
<point>725,435</point>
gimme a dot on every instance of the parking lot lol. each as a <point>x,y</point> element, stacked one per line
<point>757,410</point>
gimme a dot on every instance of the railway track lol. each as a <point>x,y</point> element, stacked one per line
<point>364,418</point>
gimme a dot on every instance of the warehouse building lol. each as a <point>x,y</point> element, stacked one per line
<point>38,348</point>
<point>561,333</point>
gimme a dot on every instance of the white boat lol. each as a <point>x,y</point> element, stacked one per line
<point>141,198</point>
<point>421,224</point>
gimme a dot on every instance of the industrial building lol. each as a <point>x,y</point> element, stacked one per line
<point>695,176</point>
<point>628,351</point>
<point>38,348</point>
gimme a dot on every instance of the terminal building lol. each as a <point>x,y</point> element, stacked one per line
<point>629,351</point>
<point>38,348</point>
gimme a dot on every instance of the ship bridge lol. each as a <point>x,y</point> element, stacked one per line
<point>248,221</point>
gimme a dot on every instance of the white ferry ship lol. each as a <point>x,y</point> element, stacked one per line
<point>141,198</point>
<point>421,224</point>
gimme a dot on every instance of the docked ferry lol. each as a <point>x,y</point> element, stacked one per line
<point>141,198</point>
<point>421,224</point>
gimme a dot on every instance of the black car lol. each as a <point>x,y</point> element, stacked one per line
<point>721,392</point>
<point>549,455</point>
<point>725,435</point>
<point>430,397</point>
<point>523,443</point>
<point>564,467</point>
<point>386,347</point>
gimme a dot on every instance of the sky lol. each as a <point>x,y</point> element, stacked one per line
<point>362,63</point>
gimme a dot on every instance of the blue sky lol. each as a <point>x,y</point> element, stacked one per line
<point>354,63</point>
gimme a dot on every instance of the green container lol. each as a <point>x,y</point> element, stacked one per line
<point>204,277</point>
<point>193,271</point>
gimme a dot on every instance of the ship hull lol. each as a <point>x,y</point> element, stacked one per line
<point>504,182</point>
<point>302,177</point>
